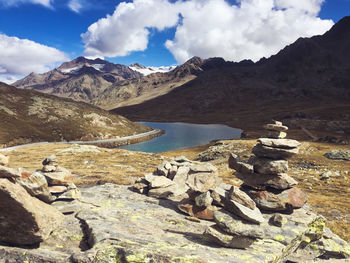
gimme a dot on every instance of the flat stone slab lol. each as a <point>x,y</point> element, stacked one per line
<point>130,227</point>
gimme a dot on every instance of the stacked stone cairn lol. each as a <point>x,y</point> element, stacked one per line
<point>26,216</point>
<point>265,177</point>
<point>199,192</point>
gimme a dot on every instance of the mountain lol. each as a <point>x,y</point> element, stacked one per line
<point>81,79</point>
<point>135,91</point>
<point>30,116</point>
<point>305,84</point>
<point>150,70</point>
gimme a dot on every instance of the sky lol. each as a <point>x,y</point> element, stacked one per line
<point>38,35</point>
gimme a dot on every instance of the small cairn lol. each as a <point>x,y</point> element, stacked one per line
<point>265,177</point>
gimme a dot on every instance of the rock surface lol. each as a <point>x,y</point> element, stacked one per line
<point>338,155</point>
<point>274,153</point>
<point>4,160</point>
<point>120,225</point>
<point>24,219</point>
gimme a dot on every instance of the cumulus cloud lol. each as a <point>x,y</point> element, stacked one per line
<point>19,57</point>
<point>249,29</point>
<point>46,3</point>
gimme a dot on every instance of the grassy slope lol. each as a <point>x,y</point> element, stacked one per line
<point>29,116</point>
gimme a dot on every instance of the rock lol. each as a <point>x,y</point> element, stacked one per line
<point>267,166</point>
<point>338,155</point>
<point>27,220</point>
<point>263,181</point>
<point>58,189</point>
<point>279,143</point>
<point>274,153</point>
<point>277,220</point>
<point>204,200</point>
<point>234,162</point>
<point>215,234</point>
<point>6,172</point>
<point>241,197</point>
<point>163,192</point>
<point>66,207</point>
<point>4,160</point>
<point>220,193</point>
<point>326,175</point>
<point>71,194</point>
<point>49,168</point>
<point>202,182</point>
<point>187,206</point>
<point>161,170</point>
<point>233,225</point>
<point>203,168</point>
<point>181,175</point>
<point>156,181</point>
<point>51,160</point>
<point>285,201</point>
<point>141,188</point>
<point>172,172</point>
<point>276,135</point>
<point>251,215</point>
<point>36,185</point>
<point>61,177</point>
<point>276,127</point>
<point>181,159</point>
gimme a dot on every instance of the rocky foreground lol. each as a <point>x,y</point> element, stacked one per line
<point>182,212</point>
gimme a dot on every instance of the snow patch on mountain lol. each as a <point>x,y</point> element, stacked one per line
<point>69,70</point>
<point>149,70</point>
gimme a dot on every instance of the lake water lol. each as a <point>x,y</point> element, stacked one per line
<point>180,135</point>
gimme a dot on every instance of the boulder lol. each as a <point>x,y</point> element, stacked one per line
<point>284,201</point>
<point>219,194</point>
<point>251,215</point>
<point>202,182</point>
<point>203,168</point>
<point>181,159</point>
<point>58,189</point>
<point>241,197</point>
<point>204,200</point>
<point>60,177</point>
<point>172,172</point>
<point>233,225</point>
<point>27,220</point>
<point>274,153</point>
<point>234,162</point>
<point>163,192</point>
<point>279,143</point>
<point>36,185</point>
<point>263,181</point>
<point>161,170</point>
<point>216,235</point>
<point>188,207</point>
<point>156,181</point>
<point>4,160</point>
<point>338,155</point>
<point>181,175</point>
<point>268,166</point>
<point>6,172</point>
<point>71,194</point>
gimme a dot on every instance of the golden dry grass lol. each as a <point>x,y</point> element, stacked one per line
<point>330,198</point>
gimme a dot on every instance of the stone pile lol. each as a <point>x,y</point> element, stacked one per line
<point>25,216</point>
<point>235,210</point>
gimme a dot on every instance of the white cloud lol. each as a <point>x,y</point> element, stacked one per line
<point>249,30</point>
<point>127,29</point>
<point>46,3</point>
<point>19,57</point>
<point>75,5</point>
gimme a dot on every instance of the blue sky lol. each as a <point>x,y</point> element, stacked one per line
<point>160,32</point>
